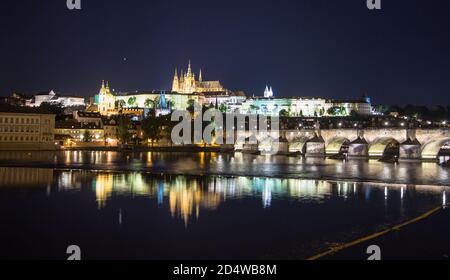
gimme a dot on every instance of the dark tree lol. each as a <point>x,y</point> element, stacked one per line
<point>87,136</point>
<point>56,109</point>
<point>152,127</point>
<point>123,129</point>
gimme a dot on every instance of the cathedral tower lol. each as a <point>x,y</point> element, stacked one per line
<point>176,82</point>
<point>268,92</point>
<point>106,100</point>
<point>186,83</point>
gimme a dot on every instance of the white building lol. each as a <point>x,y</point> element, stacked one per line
<point>268,92</point>
<point>53,98</point>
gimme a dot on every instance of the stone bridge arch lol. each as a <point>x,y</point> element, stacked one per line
<point>336,144</point>
<point>380,146</point>
<point>298,145</point>
<point>431,149</point>
<point>373,135</point>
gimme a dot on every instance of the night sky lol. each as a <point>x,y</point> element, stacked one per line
<point>328,48</point>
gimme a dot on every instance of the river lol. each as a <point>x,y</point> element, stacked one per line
<point>201,205</point>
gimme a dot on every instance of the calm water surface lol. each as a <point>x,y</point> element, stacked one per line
<point>235,165</point>
<point>141,215</point>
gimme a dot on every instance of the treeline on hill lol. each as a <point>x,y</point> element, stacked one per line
<point>435,113</point>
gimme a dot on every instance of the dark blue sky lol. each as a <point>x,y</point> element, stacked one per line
<point>336,49</point>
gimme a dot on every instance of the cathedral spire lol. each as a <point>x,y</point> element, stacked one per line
<point>200,78</point>
<point>103,84</point>
<point>189,68</point>
<point>176,82</point>
<point>268,92</point>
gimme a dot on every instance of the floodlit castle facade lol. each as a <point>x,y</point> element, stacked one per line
<point>52,97</point>
<point>186,83</point>
<point>187,88</point>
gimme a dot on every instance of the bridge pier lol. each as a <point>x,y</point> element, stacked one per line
<point>358,148</point>
<point>315,147</point>
<point>406,143</point>
<point>410,150</point>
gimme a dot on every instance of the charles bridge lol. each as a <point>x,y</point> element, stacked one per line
<point>409,143</point>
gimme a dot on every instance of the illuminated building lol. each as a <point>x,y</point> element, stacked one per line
<point>87,117</point>
<point>300,106</point>
<point>187,84</point>
<point>268,92</point>
<point>106,102</point>
<point>77,131</point>
<point>186,88</point>
<point>26,128</point>
<point>110,128</point>
<point>53,98</point>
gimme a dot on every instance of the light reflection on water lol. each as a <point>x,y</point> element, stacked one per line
<point>423,173</point>
<point>137,214</point>
<point>187,196</point>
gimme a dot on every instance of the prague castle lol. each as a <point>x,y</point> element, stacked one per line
<point>187,84</point>
<point>186,88</point>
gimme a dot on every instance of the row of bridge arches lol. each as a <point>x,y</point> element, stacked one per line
<point>384,144</point>
<point>389,146</point>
